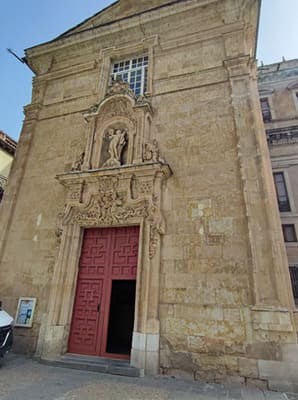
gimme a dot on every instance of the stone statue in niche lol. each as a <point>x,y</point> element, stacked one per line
<point>117,141</point>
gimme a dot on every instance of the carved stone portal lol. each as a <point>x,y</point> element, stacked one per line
<point>111,197</point>
<point>118,181</point>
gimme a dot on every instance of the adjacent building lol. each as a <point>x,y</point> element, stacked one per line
<point>7,151</point>
<point>278,88</point>
<point>141,211</point>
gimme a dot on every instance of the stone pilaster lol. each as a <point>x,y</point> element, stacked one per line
<point>17,172</point>
<point>270,276</point>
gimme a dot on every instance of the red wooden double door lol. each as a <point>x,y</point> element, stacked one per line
<point>103,312</point>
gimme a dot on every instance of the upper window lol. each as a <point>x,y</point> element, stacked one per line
<point>294,279</point>
<point>289,233</point>
<point>281,191</point>
<point>134,71</point>
<point>265,107</point>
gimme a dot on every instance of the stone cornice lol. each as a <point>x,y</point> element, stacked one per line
<point>72,70</point>
<point>74,177</point>
<point>281,136</point>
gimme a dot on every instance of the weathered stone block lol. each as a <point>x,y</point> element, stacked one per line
<point>264,351</point>
<point>248,368</point>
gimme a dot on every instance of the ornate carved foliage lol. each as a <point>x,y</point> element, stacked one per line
<point>108,207</point>
<point>116,199</point>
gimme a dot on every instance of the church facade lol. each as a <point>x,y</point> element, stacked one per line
<point>141,210</point>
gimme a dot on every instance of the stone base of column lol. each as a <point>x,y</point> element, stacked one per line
<point>145,353</point>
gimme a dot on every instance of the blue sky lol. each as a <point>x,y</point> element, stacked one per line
<point>25,23</point>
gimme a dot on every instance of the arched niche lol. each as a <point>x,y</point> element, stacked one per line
<point>119,113</point>
<point>121,131</point>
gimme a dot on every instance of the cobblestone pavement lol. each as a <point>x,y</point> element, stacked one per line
<point>24,379</point>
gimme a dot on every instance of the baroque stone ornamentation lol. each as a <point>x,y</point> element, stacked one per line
<point>108,207</point>
<point>157,225</point>
<point>114,199</point>
<point>59,226</point>
<point>77,165</point>
<point>151,152</point>
<point>118,86</point>
<point>117,129</point>
<point>75,193</point>
<point>117,108</point>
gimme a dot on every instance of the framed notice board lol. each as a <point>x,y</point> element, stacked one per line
<point>25,312</point>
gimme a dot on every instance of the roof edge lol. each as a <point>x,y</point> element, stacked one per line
<point>85,20</point>
<point>170,3</point>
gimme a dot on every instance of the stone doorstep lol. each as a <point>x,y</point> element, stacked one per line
<point>94,364</point>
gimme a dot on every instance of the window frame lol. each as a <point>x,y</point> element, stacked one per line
<point>135,69</point>
<point>284,227</point>
<point>294,281</point>
<point>109,55</point>
<point>278,196</point>
<point>267,99</point>
<point>296,99</point>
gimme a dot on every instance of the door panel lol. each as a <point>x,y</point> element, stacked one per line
<point>124,253</point>
<point>107,254</point>
<point>83,338</point>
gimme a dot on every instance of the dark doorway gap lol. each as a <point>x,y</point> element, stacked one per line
<point>121,317</point>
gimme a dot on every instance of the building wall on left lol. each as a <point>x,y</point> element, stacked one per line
<point>7,151</point>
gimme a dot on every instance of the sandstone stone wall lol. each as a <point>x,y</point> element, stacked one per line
<point>224,299</point>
